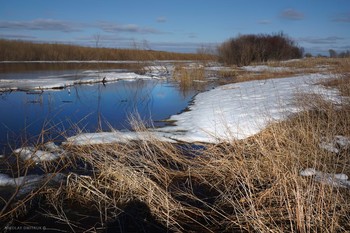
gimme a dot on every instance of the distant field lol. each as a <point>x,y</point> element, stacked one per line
<point>27,51</point>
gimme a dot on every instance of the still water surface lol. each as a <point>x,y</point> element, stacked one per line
<point>58,113</point>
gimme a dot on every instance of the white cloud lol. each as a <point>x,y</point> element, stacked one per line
<point>264,21</point>
<point>161,19</point>
<point>292,14</point>
<point>130,28</point>
<point>344,18</point>
<point>321,40</point>
<point>41,25</point>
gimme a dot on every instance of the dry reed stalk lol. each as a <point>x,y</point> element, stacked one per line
<point>189,77</point>
<point>244,186</point>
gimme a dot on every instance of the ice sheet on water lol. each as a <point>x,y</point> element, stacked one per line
<point>66,80</point>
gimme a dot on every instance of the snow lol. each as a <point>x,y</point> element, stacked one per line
<point>336,180</point>
<point>335,145</point>
<point>66,80</point>
<point>51,152</point>
<point>229,112</point>
<point>262,68</point>
<point>240,110</point>
<point>6,180</point>
<point>114,137</point>
<point>29,182</point>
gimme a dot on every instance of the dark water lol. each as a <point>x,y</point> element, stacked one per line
<point>28,117</point>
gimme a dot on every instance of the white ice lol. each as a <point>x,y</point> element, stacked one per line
<point>63,81</point>
<point>233,111</point>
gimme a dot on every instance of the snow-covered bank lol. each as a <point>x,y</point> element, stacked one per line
<point>62,81</point>
<point>233,111</point>
<point>240,110</point>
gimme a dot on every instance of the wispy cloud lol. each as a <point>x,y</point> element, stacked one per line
<point>161,19</point>
<point>130,28</point>
<point>264,21</point>
<point>17,37</point>
<point>292,14</point>
<point>105,40</point>
<point>344,18</point>
<point>321,40</point>
<point>192,35</point>
<point>41,24</point>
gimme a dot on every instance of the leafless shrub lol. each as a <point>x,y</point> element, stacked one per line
<point>246,49</point>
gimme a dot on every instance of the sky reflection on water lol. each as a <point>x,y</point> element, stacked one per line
<point>88,108</point>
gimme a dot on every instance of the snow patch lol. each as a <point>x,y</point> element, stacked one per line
<point>30,182</point>
<point>336,144</point>
<point>262,68</point>
<point>114,137</point>
<point>51,152</point>
<point>335,180</point>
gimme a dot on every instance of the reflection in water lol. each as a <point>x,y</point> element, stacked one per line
<point>55,114</point>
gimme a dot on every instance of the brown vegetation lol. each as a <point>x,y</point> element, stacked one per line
<point>27,51</point>
<point>247,185</point>
<point>246,49</point>
<point>250,185</point>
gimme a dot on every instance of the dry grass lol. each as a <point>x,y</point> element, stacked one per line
<point>334,65</point>
<point>27,51</point>
<point>337,66</point>
<point>250,185</point>
<point>247,185</point>
<point>189,77</point>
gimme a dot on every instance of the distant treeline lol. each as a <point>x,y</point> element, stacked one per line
<point>334,54</point>
<point>246,49</point>
<point>11,50</point>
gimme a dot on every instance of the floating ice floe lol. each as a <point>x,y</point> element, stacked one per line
<point>336,180</point>
<point>51,152</point>
<point>335,145</point>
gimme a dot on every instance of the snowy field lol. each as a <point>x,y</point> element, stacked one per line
<point>233,111</point>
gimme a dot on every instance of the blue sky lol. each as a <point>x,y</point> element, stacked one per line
<point>176,25</point>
